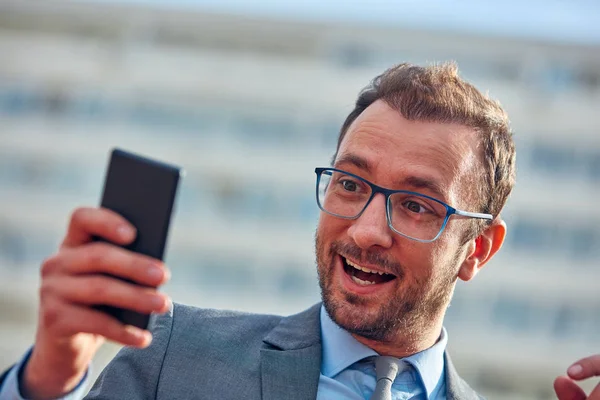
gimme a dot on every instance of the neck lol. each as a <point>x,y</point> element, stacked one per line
<point>406,342</point>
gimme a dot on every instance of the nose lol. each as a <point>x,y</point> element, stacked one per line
<point>371,228</point>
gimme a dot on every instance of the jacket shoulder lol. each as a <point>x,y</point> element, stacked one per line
<point>211,325</point>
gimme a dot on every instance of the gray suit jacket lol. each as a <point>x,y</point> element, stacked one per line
<point>210,354</point>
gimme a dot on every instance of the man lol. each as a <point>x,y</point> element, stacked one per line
<point>424,165</point>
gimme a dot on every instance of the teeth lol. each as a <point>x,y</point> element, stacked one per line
<point>361,282</point>
<point>363,268</point>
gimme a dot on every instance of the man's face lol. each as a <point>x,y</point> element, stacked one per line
<point>436,159</point>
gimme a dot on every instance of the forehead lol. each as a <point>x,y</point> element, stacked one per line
<point>395,150</point>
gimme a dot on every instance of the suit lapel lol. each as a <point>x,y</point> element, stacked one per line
<point>291,358</point>
<point>456,387</point>
<point>4,375</point>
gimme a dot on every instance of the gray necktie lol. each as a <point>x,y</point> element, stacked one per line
<point>387,368</point>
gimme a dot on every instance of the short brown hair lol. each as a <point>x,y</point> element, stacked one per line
<point>436,93</point>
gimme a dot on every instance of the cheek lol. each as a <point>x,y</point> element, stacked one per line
<point>421,261</point>
<point>328,226</point>
<point>446,257</point>
<point>438,254</point>
<point>427,260</point>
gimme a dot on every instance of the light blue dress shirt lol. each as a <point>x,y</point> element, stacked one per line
<point>10,387</point>
<point>345,376</point>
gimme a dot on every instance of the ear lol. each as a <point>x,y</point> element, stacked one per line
<point>482,249</point>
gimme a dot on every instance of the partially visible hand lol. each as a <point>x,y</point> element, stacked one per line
<point>567,389</point>
<point>84,273</point>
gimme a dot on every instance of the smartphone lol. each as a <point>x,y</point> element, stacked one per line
<point>143,191</point>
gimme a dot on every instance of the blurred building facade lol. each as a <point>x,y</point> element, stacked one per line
<point>249,107</point>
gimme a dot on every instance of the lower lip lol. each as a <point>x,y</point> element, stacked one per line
<point>354,287</point>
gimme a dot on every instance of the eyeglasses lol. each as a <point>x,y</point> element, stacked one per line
<point>410,214</point>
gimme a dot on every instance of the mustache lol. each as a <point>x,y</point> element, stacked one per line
<point>370,257</point>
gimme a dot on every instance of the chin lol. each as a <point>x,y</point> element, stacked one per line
<point>374,320</point>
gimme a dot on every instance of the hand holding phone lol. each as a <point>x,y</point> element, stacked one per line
<point>138,193</point>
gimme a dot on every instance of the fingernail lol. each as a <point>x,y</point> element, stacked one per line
<point>139,334</point>
<point>154,272</point>
<point>125,231</point>
<point>575,370</point>
<point>158,302</point>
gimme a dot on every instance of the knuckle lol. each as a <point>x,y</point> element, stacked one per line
<point>49,266</point>
<point>77,216</point>
<point>97,253</point>
<point>46,291</point>
<point>51,316</point>
<point>98,288</point>
<point>123,335</point>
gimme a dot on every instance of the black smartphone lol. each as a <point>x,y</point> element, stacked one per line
<point>143,191</point>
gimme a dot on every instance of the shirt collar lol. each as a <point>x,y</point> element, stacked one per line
<point>341,349</point>
<point>429,363</point>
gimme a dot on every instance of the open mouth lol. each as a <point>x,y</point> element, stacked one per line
<point>364,276</point>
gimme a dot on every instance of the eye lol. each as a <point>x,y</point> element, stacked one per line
<point>349,185</point>
<point>415,207</point>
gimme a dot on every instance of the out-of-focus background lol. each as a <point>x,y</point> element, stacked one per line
<point>249,97</point>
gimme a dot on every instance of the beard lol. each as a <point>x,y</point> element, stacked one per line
<point>411,311</point>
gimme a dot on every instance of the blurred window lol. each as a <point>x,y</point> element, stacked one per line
<point>593,164</point>
<point>226,271</point>
<point>479,68</point>
<point>10,170</point>
<point>353,55</point>
<point>584,242</point>
<point>556,78</point>
<point>512,313</point>
<point>18,100</point>
<point>293,280</point>
<point>579,162</point>
<point>212,272</point>
<point>12,245</point>
<point>308,210</point>
<point>194,196</point>
<point>330,130</point>
<point>261,200</point>
<point>38,247</point>
<point>460,309</point>
<point>255,128</point>
<point>569,321</point>
<point>530,235</point>
<point>594,319</point>
<point>589,79</point>
<point>27,170</point>
<point>571,241</point>
<point>553,159</point>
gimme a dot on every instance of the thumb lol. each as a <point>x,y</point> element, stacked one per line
<point>566,389</point>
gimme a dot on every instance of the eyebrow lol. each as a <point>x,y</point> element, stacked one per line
<point>424,183</point>
<point>357,161</point>
<point>416,182</point>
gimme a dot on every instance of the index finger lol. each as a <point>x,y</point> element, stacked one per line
<point>566,389</point>
<point>87,222</point>
<point>585,368</point>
